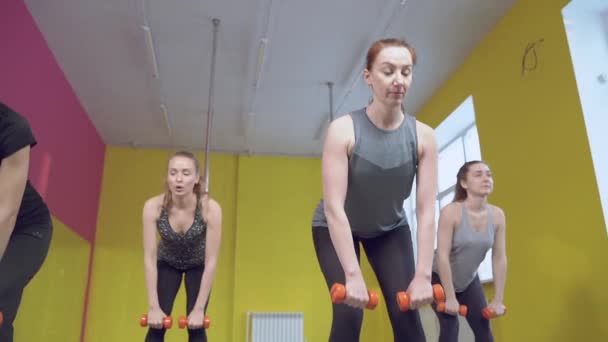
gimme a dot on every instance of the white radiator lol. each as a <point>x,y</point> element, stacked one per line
<point>275,327</point>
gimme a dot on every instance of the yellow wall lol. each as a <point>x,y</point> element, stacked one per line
<point>532,134</point>
<point>51,308</point>
<point>267,260</point>
<point>276,268</point>
<point>118,292</point>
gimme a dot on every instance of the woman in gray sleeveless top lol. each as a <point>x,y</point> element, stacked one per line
<point>188,222</point>
<point>468,228</point>
<point>369,162</point>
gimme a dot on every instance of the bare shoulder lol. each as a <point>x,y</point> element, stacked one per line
<point>340,134</point>
<point>424,131</point>
<point>152,206</point>
<point>211,207</point>
<point>341,127</point>
<point>426,137</point>
<point>451,211</point>
<point>497,214</point>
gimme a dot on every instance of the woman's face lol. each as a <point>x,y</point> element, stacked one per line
<point>391,75</point>
<point>479,180</point>
<point>182,175</point>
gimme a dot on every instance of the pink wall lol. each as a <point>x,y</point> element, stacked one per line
<point>67,164</point>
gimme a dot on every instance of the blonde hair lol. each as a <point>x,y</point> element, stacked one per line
<point>198,187</point>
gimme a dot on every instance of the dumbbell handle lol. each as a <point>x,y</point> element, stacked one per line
<point>489,314</point>
<point>462,310</point>
<point>338,295</point>
<point>183,322</point>
<point>167,321</point>
<point>403,299</point>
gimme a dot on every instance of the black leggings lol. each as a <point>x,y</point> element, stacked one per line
<point>23,257</point>
<point>475,300</point>
<point>392,259</point>
<point>169,280</point>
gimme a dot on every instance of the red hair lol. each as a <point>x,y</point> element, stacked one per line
<point>379,45</point>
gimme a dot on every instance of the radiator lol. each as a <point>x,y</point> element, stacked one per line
<point>275,327</point>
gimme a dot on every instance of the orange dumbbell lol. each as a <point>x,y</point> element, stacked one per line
<point>489,313</point>
<point>403,299</point>
<point>462,311</point>
<point>183,322</point>
<point>1,318</point>
<point>167,321</point>
<point>338,295</point>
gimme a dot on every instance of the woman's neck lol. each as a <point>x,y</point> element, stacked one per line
<point>476,203</point>
<point>184,202</point>
<point>383,116</point>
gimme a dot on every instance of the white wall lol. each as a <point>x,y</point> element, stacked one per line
<point>586,23</point>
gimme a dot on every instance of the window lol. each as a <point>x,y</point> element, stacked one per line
<point>458,142</point>
<point>586,23</point>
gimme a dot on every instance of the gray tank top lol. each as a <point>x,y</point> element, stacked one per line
<point>469,248</point>
<point>182,250</point>
<point>381,171</point>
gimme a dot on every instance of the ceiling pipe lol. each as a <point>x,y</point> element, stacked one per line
<point>390,13</point>
<point>216,23</point>
<point>163,109</point>
<point>327,119</point>
<point>261,57</point>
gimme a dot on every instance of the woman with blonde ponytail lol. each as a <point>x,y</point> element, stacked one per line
<point>189,224</point>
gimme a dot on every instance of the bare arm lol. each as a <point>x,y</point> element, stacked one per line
<point>445,233</point>
<point>499,258</point>
<point>426,195</point>
<point>13,177</point>
<point>335,180</point>
<point>150,213</point>
<point>213,213</point>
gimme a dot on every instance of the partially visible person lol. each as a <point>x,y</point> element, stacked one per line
<point>26,227</point>
<point>468,228</point>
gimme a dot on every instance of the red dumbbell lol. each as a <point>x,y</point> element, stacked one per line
<point>462,311</point>
<point>167,321</point>
<point>403,299</point>
<point>489,313</point>
<point>338,295</point>
<point>183,322</point>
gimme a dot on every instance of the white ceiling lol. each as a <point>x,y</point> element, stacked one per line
<point>101,47</point>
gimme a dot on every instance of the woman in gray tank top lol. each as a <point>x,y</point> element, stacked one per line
<point>468,228</point>
<point>188,222</point>
<point>369,162</point>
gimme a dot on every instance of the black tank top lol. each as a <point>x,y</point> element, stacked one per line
<point>182,250</point>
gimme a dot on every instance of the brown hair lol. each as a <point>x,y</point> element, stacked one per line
<point>460,193</point>
<point>379,45</point>
<point>198,187</point>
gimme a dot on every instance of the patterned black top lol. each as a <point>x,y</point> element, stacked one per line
<point>182,250</point>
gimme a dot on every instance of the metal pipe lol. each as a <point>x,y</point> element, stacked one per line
<point>163,108</point>
<point>330,85</point>
<point>216,23</point>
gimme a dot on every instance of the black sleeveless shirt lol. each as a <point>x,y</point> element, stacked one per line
<point>182,250</point>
